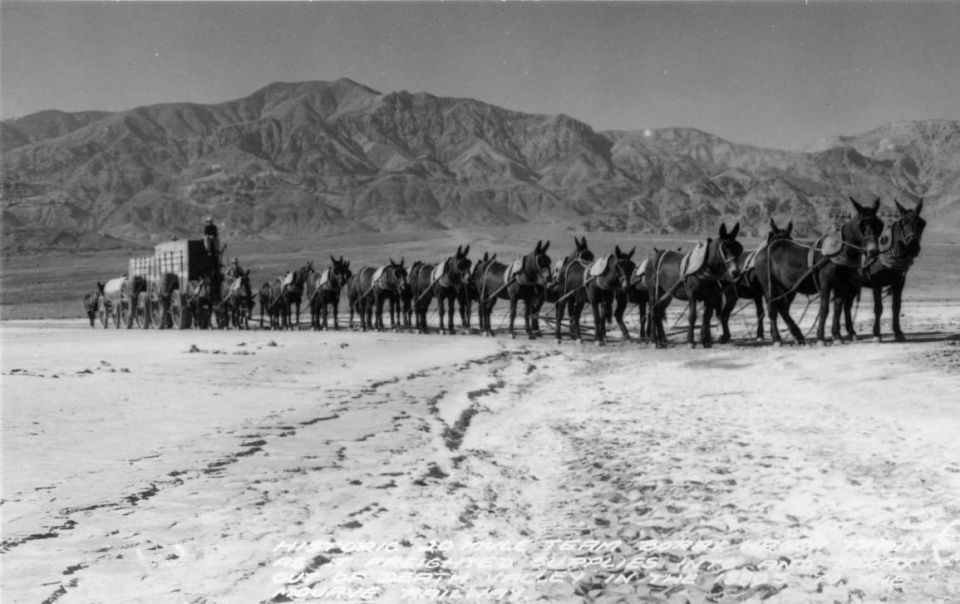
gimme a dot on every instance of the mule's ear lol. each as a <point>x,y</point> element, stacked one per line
<point>789,228</point>
<point>919,206</point>
<point>391,261</point>
<point>466,250</point>
<point>401,261</point>
<point>459,250</point>
<point>773,225</point>
<point>736,229</point>
<point>333,260</point>
<point>616,250</point>
<point>630,255</point>
<point>856,205</point>
<point>876,205</point>
<point>494,257</point>
<point>543,250</point>
<point>723,230</point>
<point>536,249</point>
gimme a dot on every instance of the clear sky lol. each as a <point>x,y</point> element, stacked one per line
<point>778,74</point>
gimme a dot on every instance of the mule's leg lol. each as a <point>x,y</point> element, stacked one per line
<point>558,314</point>
<point>847,316</point>
<point>758,302</point>
<point>528,302</point>
<point>840,296</point>
<point>441,312</point>
<point>896,295</point>
<point>826,291</point>
<point>513,314</point>
<point>691,319</point>
<point>709,306</point>
<point>539,298</point>
<point>729,301</point>
<point>598,306</point>
<point>774,306</point>
<point>621,298</point>
<point>791,324</point>
<point>642,312</point>
<point>451,308</point>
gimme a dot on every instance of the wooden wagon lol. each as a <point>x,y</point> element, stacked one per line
<point>165,299</point>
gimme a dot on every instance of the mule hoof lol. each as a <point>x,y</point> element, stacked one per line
<point>723,339</point>
<point>759,339</point>
<point>601,343</point>
<point>899,337</point>
<point>778,344</point>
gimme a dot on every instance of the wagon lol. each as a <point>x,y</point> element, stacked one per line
<point>168,298</point>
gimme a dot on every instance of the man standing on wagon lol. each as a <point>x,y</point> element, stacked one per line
<point>211,240</point>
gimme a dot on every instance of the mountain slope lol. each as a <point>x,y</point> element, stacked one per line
<point>293,160</point>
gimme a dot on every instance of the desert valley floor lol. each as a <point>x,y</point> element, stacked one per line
<point>254,467</point>
<point>165,466</point>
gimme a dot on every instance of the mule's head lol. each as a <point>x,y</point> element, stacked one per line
<point>396,276</point>
<point>778,234</point>
<point>458,266</point>
<point>536,264</point>
<point>582,252</point>
<point>480,267</point>
<point>908,229</point>
<point>723,255</point>
<point>339,272</point>
<point>864,229</point>
<point>620,268</point>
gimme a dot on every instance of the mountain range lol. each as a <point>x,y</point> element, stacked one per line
<point>296,160</point>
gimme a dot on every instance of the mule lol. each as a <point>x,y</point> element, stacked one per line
<point>446,282</point>
<point>899,247</point>
<point>237,300</point>
<point>323,293</point>
<point>829,268</point>
<point>525,279</point>
<point>473,286</point>
<point>370,288</point>
<point>747,287</point>
<point>634,292</point>
<point>594,283</point>
<point>91,304</point>
<point>277,297</point>
<point>670,275</point>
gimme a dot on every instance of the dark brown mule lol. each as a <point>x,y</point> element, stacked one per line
<point>421,293</point>
<point>199,298</point>
<point>278,296</point>
<point>474,282</point>
<point>787,268</point>
<point>665,279</point>
<point>91,303</point>
<point>634,292</point>
<point>747,287</point>
<point>581,254</point>
<point>323,292</point>
<point>446,283</point>
<point>899,247</point>
<point>406,305</point>
<point>370,288</point>
<point>595,283</point>
<point>236,301</point>
<point>523,280</point>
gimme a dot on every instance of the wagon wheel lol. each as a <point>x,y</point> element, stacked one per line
<point>143,310</point>
<point>156,312</point>
<point>127,312</point>
<point>179,311</point>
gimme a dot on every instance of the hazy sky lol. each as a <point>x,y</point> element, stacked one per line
<point>779,74</point>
